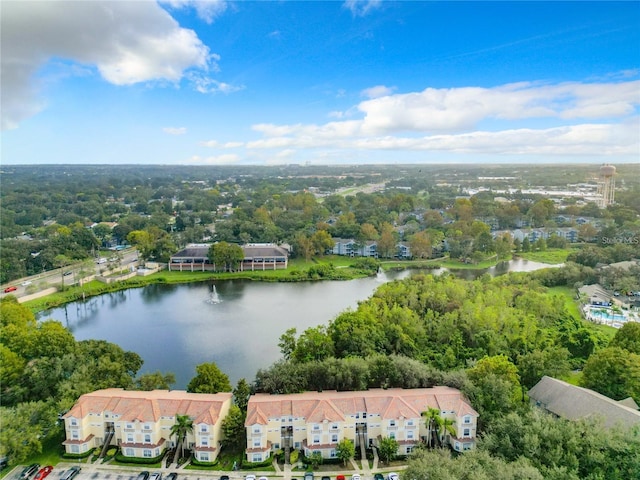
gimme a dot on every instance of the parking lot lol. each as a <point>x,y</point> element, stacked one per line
<point>109,472</point>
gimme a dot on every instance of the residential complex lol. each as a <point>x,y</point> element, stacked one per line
<point>257,256</point>
<point>140,422</point>
<point>319,421</point>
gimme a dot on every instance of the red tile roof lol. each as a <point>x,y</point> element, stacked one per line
<point>150,406</point>
<point>393,403</point>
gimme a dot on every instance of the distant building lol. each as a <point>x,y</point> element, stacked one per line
<point>575,403</point>
<point>257,256</point>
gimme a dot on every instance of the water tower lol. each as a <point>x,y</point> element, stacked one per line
<point>606,185</point>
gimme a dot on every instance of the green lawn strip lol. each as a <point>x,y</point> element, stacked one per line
<point>552,256</point>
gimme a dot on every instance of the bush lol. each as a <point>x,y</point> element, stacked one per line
<point>138,460</point>
<point>256,465</point>
<point>293,456</point>
<point>77,456</point>
<point>199,463</point>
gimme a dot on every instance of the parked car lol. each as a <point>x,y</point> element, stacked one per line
<point>67,273</point>
<point>355,476</point>
<point>26,283</point>
<point>155,476</point>
<point>393,476</point>
<point>250,477</point>
<point>72,472</point>
<point>324,477</point>
<point>263,478</point>
<point>30,470</point>
<point>174,476</point>
<point>43,472</point>
<point>12,288</point>
<point>340,477</point>
<point>144,475</point>
<point>378,476</point>
<point>4,462</point>
<point>222,477</point>
<point>308,476</point>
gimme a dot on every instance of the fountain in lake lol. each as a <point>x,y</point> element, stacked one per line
<point>213,296</point>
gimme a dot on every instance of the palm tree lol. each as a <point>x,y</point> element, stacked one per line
<point>445,428</point>
<point>182,427</point>
<point>432,418</point>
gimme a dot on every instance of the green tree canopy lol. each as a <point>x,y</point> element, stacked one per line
<point>209,379</point>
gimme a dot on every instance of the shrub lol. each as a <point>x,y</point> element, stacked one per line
<point>138,460</point>
<point>257,465</point>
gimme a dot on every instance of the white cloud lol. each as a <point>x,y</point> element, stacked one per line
<point>175,130</point>
<point>377,91</point>
<point>204,84</point>
<point>456,109</point>
<point>360,8</point>
<point>216,144</point>
<point>207,10</point>
<point>448,120</point>
<point>127,42</point>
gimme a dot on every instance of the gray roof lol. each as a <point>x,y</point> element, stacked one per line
<point>595,290</point>
<point>200,250</point>
<point>574,403</point>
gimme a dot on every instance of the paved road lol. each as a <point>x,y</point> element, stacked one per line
<point>53,278</point>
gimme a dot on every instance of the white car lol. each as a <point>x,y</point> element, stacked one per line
<point>355,476</point>
<point>250,477</point>
<point>27,283</point>
<point>393,476</point>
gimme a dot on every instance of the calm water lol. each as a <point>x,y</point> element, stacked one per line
<point>234,323</point>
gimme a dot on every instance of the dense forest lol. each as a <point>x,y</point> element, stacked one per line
<point>51,216</point>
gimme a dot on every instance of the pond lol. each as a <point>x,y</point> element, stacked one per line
<point>234,323</point>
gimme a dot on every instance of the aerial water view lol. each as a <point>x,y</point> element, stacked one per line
<point>319,240</point>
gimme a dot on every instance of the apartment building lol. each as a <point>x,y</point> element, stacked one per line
<point>140,422</point>
<point>319,421</point>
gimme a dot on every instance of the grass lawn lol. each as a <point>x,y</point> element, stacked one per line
<point>573,378</point>
<point>51,452</point>
<point>552,256</point>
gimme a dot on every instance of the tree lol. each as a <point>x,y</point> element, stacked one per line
<point>316,459</point>
<point>387,241</point>
<point>345,450</point>
<point>209,379</point>
<point>226,256</point>
<point>432,418</point>
<point>613,372</point>
<point>321,241</point>
<point>235,434</point>
<point>241,394</point>
<point>287,343</point>
<point>388,449</point>
<point>420,245</point>
<point>445,428</point>
<point>180,429</point>
<point>532,366</point>
<point>628,337</point>
<point>155,381</point>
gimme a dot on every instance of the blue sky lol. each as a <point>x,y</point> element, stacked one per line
<point>216,82</point>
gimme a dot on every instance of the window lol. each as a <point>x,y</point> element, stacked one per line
<point>409,450</point>
<point>256,429</point>
<point>334,438</point>
<point>466,432</point>
<point>316,427</point>
<point>204,457</point>
<point>466,446</point>
<point>129,425</point>
<point>146,453</point>
<point>147,438</point>
<point>467,419</point>
<point>297,445</point>
<point>147,426</point>
<point>129,438</point>
<point>392,435</point>
<point>392,423</point>
<point>257,457</point>
<point>364,415</point>
<point>205,442</point>
<point>204,428</point>
<point>409,423</point>
<point>409,434</point>
<point>74,422</point>
<point>316,439</point>
<point>74,435</point>
<point>128,452</point>
<point>333,454</point>
<point>334,426</point>
<point>256,443</point>
<point>276,446</point>
<point>75,449</point>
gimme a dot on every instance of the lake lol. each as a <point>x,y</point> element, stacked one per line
<point>234,323</point>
